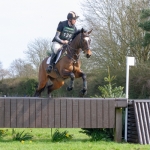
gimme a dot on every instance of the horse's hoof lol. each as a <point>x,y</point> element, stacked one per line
<point>37,94</point>
<point>83,93</point>
<point>69,88</point>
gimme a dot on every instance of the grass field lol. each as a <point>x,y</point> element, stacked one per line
<point>42,141</point>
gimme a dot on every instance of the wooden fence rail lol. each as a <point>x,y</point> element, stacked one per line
<point>29,112</point>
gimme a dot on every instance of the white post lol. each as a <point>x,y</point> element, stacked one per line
<point>130,61</point>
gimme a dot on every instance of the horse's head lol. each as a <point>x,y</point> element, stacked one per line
<point>85,42</point>
<point>80,40</point>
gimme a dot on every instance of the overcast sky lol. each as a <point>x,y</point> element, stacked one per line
<point>23,21</point>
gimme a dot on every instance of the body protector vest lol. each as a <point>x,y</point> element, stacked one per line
<point>67,33</point>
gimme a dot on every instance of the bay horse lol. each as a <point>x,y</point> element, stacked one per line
<point>67,66</point>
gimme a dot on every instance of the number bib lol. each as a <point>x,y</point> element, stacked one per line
<point>67,33</point>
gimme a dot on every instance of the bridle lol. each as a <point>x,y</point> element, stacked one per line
<point>81,41</point>
<point>81,44</point>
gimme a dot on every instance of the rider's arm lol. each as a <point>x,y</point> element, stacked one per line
<point>57,37</point>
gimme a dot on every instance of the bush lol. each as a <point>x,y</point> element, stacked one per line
<point>61,136</point>
<point>2,133</point>
<point>21,136</point>
<point>99,134</point>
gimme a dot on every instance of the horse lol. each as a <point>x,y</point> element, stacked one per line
<point>68,66</point>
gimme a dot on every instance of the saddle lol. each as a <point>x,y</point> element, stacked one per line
<point>59,55</point>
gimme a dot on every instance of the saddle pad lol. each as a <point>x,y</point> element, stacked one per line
<point>48,60</point>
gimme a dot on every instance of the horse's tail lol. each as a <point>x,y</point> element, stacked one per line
<point>42,78</point>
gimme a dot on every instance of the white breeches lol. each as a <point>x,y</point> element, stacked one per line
<point>56,46</point>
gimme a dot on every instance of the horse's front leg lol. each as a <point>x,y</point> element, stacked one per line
<point>84,90</point>
<point>79,74</point>
<point>71,85</point>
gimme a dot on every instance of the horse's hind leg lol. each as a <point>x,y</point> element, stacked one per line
<point>56,85</point>
<point>41,85</point>
<point>38,92</point>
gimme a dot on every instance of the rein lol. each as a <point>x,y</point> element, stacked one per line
<point>74,53</point>
<point>69,48</point>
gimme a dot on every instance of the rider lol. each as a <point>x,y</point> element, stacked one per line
<point>65,30</point>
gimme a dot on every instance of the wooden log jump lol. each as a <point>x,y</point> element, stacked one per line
<point>29,112</point>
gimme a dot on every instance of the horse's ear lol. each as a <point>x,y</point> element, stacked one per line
<point>89,32</point>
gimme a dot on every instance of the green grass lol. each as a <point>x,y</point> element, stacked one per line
<point>42,141</point>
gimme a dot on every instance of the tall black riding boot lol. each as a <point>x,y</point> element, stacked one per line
<point>58,56</point>
<point>50,66</point>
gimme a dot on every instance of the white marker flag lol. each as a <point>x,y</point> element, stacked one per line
<point>130,61</point>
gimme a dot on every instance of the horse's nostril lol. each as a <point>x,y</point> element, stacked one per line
<point>88,56</point>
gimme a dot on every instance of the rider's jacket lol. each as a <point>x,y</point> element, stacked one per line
<point>66,31</point>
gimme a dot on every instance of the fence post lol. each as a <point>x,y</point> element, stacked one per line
<point>118,125</point>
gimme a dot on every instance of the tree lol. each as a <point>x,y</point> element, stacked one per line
<point>115,31</point>
<point>145,25</point>
<point>3,72</point>
<point>110,90</point>
<point>19,68</point>
<point>37,51</point>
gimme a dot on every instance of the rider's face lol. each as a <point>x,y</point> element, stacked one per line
<point>73,21</point>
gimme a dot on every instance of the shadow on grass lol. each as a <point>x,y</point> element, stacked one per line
<point>45,140</point>
<point>6,140</point>
<point>72,140</point>
<point>49,140</point>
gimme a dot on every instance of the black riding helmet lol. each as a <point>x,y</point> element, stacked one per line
<point>72,15</point>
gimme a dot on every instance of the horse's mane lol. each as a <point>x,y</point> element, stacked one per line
<point>77,32</point>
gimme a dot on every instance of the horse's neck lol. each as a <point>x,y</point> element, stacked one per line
<point>75,44</point>
<point>73,50</point>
